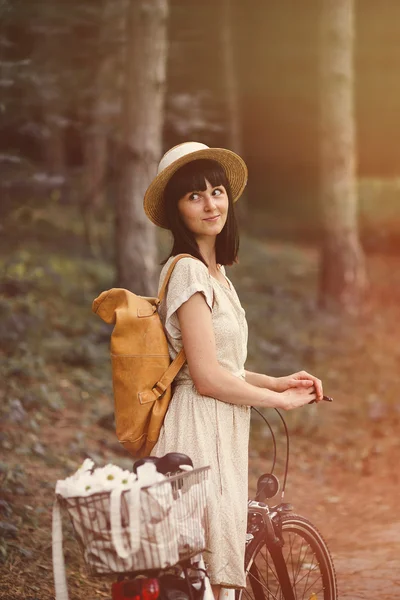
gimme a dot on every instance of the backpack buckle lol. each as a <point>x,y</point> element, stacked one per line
<point>159,389</point>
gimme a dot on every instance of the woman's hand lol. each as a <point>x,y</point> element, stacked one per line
<point>297,396</point>
<point>300,380</point>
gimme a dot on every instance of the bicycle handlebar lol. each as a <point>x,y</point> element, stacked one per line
<point>326,398</point>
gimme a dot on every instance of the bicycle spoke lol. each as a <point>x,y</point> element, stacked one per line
<point>261,579</point>
<point>269,571</point>
<point>307,575</point>
<point>265,576</point>
<point>300,561</point>
<point>296,559</point>
<point>310,570</point>
<point>310,588</point>
<point>268,562</point>
<point>299,558</point>
<point>267,589</point>
<point>291,561</point>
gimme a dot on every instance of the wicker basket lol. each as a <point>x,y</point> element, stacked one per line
<point>151,528</point>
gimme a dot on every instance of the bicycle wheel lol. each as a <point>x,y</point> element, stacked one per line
<point>309,564</point>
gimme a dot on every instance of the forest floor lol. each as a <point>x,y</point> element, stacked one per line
<point>55,400</point>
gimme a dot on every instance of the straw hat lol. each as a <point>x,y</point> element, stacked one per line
<point>234,167</point>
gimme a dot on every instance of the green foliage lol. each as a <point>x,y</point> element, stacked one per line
<point>12,479</point>
<point>46,324</point>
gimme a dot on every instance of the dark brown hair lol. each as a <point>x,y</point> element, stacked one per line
<point>192,177</point>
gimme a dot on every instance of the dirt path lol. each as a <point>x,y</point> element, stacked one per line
<point>359,518</point>
<point>356,511</point>
<point>369,567</point>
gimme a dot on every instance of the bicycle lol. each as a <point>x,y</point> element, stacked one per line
<point>286,557</point>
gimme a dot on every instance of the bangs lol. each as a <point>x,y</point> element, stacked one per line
<point>192,177</point>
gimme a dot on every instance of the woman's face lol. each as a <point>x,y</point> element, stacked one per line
<point>204,213</point>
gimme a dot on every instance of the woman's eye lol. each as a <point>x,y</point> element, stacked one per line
<point>193,196</point>
<point>217,192</point>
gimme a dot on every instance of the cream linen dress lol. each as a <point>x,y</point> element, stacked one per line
<point>211,432</point>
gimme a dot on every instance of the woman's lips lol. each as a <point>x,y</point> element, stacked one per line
<point>212,218</point>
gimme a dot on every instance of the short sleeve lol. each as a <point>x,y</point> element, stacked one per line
<point>189,277</point>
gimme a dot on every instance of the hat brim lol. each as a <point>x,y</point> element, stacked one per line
<point>234,167</point>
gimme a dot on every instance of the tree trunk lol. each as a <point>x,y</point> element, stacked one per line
<point>95,184</point>
<point>143,112</point>
<point>98,131</point>
<point>45,57</point>
<point>53,140</point>
<point>231,90</point>
<point>342,269</point>
<point>230,78</point>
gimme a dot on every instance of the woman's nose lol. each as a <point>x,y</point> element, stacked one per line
<point>209,202</point>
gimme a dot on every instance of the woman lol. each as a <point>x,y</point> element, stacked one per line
<point>209,415</point>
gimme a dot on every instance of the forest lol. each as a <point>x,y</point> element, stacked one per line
<point>92,93</point>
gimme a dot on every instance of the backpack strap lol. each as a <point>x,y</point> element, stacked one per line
<point>169,273</point>
<point>159,388</point>
<point>180,359</point>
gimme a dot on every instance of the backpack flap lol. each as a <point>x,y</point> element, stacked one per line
<point>104,305</point>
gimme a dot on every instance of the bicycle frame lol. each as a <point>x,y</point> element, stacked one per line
<point>265,522</point>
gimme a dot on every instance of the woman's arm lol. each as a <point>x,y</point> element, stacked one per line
<point>262,381</point>
<point>281,384</point>
<point>213,380</point>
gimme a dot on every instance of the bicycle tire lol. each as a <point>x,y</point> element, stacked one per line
<point>308,561</point>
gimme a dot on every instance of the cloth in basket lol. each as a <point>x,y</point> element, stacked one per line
<point>185,513</point>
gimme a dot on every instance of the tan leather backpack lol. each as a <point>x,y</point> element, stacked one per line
<point>142,371</point>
